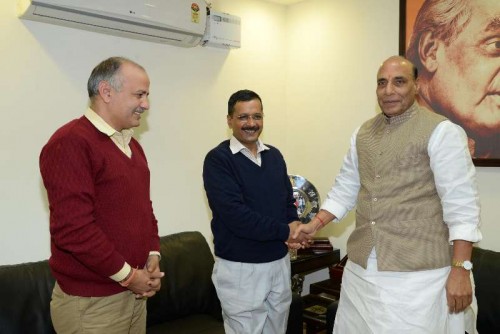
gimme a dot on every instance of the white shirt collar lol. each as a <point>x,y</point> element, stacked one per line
<point>104,127</point>
<point>236,146</point>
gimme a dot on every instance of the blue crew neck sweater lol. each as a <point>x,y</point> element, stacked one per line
<point>251,205</point>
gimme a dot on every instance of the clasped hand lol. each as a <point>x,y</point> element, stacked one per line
<point>147,281</point>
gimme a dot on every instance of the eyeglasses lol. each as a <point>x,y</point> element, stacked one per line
<point>245,118</point>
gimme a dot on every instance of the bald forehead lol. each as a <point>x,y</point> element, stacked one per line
<point>396,64</point>
<point>128,65</point>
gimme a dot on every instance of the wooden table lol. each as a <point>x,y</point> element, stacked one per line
<point>314,305</point>
<point>307,262</point>
<point>315,311</point>
<point>329,286</point>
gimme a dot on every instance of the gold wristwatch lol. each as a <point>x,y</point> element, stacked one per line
<point>467,265</point>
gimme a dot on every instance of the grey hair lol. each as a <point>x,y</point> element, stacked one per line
<point>107,70</point>
<point>446,19</point>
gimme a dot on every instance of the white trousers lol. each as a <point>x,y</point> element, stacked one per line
<point>255,297</point>
<point>379,302</point>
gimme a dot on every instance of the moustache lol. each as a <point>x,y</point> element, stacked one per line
<point>250,128</point>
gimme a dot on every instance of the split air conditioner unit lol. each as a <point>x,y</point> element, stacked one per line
<point>177,22</point>
<point>223,31</point>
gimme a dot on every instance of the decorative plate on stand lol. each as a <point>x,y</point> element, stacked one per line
<point>306,196</point>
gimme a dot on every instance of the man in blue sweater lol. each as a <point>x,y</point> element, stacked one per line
<point>254,214</point>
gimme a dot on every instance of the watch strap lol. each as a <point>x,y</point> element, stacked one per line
<point>467,265</point>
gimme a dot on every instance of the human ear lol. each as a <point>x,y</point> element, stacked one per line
<point>417,84</point>
<point>228,118</point>
<point>427,51</point>
<point>105,91</point>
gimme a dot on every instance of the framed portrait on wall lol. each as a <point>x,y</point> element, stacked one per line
<point>455,45</point>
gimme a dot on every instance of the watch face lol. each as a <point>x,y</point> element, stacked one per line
<point>306,198</point>
<point>467,265</point>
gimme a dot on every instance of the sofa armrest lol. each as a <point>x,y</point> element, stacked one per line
<point>486,272</point>
<point>26,290</point>
<point>187,286</point>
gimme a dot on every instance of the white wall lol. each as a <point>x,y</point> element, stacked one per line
<point>313,63</point>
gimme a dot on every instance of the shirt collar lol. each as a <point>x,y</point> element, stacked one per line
<point>104,127</point>
<point>236,146</point>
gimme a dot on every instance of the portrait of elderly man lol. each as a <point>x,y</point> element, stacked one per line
<point>455,45</point>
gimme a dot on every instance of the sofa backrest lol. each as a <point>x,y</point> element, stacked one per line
<point>25,291</point>
<point>486,272</point>
<point>187,287</point>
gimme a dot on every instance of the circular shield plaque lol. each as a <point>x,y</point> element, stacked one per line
<point>306,198</point>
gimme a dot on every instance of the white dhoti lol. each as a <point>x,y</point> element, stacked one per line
<point>382,302</point>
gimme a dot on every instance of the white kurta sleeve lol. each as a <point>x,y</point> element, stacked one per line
<point>343,195</point>
<point>455,178</point>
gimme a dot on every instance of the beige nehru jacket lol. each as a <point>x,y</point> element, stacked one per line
<point>398,210</point>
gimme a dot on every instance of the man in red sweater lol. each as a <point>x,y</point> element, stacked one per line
<point>104,235</point>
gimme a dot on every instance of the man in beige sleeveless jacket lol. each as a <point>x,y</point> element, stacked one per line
<point>410,175</point>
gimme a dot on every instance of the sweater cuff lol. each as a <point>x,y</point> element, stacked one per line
<point>155,253</point>
<point>122,274</point>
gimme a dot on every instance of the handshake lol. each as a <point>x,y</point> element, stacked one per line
<point>300,235</point>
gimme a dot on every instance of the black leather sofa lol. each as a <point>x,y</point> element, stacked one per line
<point>186,304</point>
<point>486,272</point>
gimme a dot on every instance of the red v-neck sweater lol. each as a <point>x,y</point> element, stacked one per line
<point>101,214</point>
